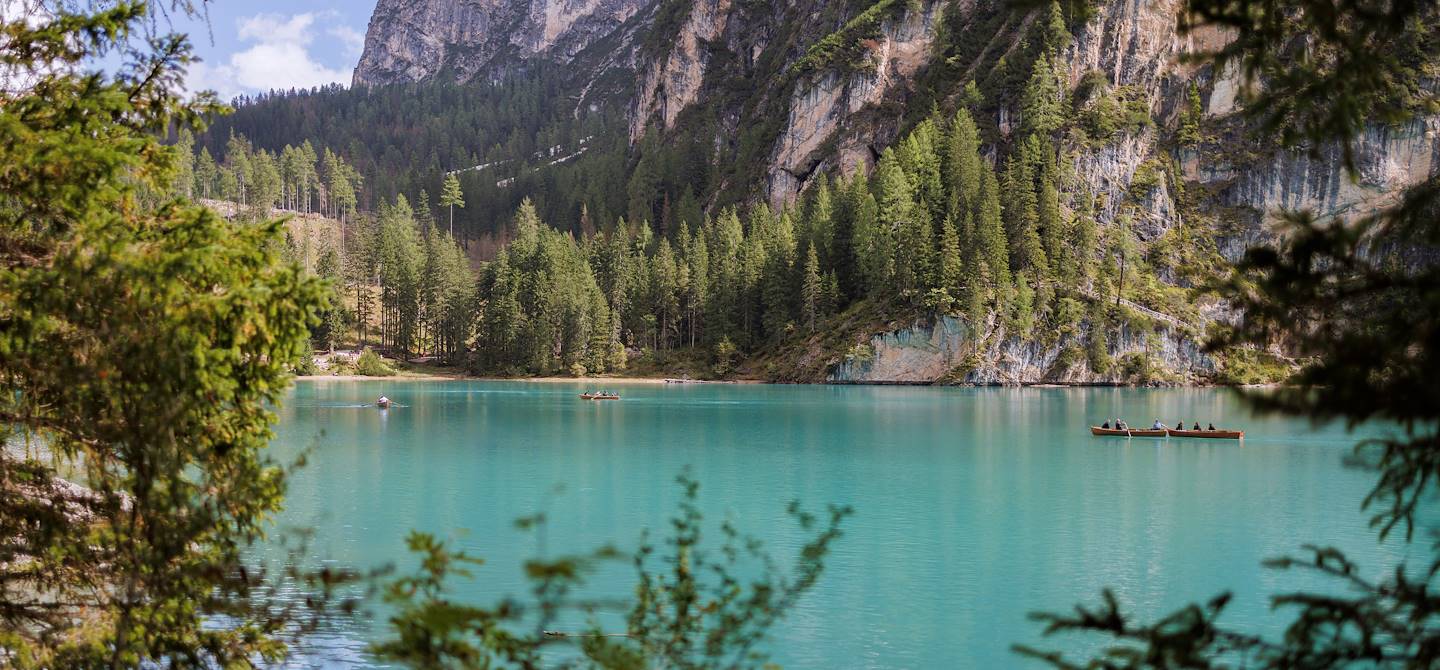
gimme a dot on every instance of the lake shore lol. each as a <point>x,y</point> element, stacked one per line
<point>441,377</point>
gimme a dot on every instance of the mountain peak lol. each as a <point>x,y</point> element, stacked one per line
<point>410,40</point>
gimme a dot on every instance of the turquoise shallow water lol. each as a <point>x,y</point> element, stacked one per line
<point>973,506</point>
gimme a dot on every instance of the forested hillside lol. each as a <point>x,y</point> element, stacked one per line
<point>504,142</point>
<point>937,229</point>
<point>862,191</point>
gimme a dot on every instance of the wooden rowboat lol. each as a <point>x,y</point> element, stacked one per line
<point>1211,434</point>
<point>598,396</point>
<point>1131,432</point>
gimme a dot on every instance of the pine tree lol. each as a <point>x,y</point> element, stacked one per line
<point>207,174</point>
<point>1054,231</point>
<point>962,168</point>
<point>811,290</point>
<point>1021,215</point>
<point>184,182</point>
<point>1041,104</point>
<point>820,225</point>
<point>921,163</point>
<point>876,248</point>
<point>697,257</point>
<point>331,331</point>
<point>830,294</point>
<point>950,275</point>
<point>527,224</point>
<point>451,197</point>
<point>779,285</point>
<point>990,237</point>
<point>422,211</point>
<point>1055,36</point>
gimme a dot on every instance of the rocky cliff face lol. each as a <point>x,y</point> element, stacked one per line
<point>950,350</point>
<point>754,81</point>
<point>415,41</point>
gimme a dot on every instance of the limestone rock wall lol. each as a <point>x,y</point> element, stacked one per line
<point>415,40</point>
<point>949,349</point>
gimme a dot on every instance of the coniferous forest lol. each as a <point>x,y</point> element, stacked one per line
<point>567,283</point>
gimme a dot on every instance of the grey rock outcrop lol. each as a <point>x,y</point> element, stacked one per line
<point>951,350</point>
<point>415,41</point>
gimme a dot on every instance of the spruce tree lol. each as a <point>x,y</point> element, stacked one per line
<point>811,290</point>
<point>207,175</point>
<point>950,275</point>
<point>1042,102</point>
<point>962,168</point>
<point>451,197</point>
<point>886,270</point>
<point>184,181</point>
<point>1054,228</point>
<point>422,211</point>
<point>820,226</point>
<point>990,237</point>
<point>1021,215</point>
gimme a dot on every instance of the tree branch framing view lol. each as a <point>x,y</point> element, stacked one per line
<point>737,210</point>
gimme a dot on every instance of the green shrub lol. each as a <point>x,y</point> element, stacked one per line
<point>1137,368</point>
<point>1251,366</point>
<point>725,355</point>
<point>306,367</point>
<point>371,364</point>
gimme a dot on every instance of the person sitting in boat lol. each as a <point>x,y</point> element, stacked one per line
<point>1106,425</point>
<point>1157,425</point>
<point>1196,426</point>
<point>1120,425</point>
<point>383,401</point>
<point>1212,427</point>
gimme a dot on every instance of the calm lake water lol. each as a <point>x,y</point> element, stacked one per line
<point>973,506</point>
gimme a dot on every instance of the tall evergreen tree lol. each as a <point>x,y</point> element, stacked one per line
<point>1021,215</point>
<point>811,290</point>
<point>962,169</point>
<point>451,197</point>
<point>1042,102</point>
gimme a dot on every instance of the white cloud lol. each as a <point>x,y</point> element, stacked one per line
<point>351,39</point>
<point>278,56</point>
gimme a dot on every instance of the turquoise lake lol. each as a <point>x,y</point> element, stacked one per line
<point>973,507</point>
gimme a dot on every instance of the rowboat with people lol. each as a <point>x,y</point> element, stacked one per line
<point>599,396</point>
<point>1127,432</point>
<point>1165,431</point>
<point>1210,434</point>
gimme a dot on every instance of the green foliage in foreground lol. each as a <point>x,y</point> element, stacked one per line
<point>695,611</point>
<point>1359,300</point>
<point>142,340</point>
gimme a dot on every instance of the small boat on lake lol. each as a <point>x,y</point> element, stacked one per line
<point>1211,434</point>
<point>599,396</point>
<point>383,403</point>
<point>1127,432</point>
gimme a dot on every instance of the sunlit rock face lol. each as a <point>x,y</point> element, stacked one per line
<point>411,40</point>
<point>951,350</point>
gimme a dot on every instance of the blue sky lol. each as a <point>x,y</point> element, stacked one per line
<point>255,45</point>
